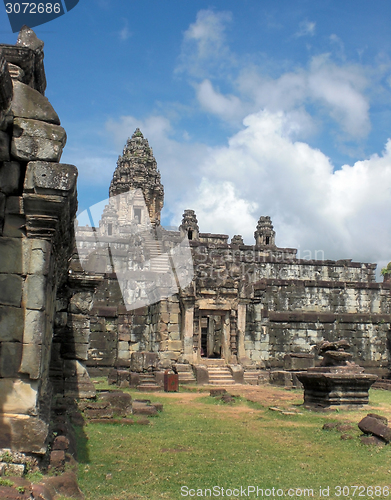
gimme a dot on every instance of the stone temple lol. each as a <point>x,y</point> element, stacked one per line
<point>246,305</point>
<point>116,292</point>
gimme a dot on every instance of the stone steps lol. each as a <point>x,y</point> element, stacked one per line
<point>185,374</point>
<point>220,375</point>
<point>148,383</point>
<point>159,261</point>
<point>251,377</point>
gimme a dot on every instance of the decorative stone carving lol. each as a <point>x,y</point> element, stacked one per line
<point>237,240</point>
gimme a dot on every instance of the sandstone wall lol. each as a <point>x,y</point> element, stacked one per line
<point>37,207</point>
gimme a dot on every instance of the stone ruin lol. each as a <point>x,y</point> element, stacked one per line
<point>64,318</point>
<point>338,381</point>
<point>38,204</point>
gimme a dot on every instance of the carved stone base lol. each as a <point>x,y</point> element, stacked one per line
<point>335,386</point>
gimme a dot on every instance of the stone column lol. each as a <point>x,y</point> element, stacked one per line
<point>188,332</point>
<point>242,308</point>
<point>225,348</point>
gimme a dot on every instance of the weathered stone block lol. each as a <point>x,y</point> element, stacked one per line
<point>11,255</point>
<point>4,146</point>
<point>10,177</point>
<point>370,425</point>
<point>10,289</point>
<point>174,345</point>
<point>34,328</point>
<point>11,324</point>
<point>10,358</point>
<point>78,321</point>
<point>18,396</point>
<point>201,374</point>
<point>24,433</point>
<point>174,318</point>
<point>124,337</point>
<point>35,292</point>
<point>81,303</point>
<point>29,103</point>
<point>13,224</point>
<point>46,177</point>
<point>36,256</point>
<point>31,360</point>
<point>35,148</point>
<point>298,361</point>
<point>2,213</point>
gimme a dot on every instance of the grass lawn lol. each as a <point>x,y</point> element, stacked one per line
<point>198,443</point>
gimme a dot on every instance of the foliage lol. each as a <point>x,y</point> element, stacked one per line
<point>6,482</point>
<point>386,270</point>
<point>34,477</point>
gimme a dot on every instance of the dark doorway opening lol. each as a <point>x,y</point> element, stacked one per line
<point>137,215</point>
<point>211,335</point>
<point>190,234</point>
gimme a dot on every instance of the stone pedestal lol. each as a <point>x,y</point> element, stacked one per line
<point>336,386</point>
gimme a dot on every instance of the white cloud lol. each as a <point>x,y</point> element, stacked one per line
<point>227,107</point>
<point>204,46</point>
<point>306,28</point>
<point>338,89</point>
<point>263,171</point>
<point>124,34</point>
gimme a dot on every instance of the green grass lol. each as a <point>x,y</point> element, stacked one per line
<point>201,443</point>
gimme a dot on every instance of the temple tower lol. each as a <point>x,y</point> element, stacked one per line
<point>264,234</point>
<point>137,169</point>
<point>189,226</point>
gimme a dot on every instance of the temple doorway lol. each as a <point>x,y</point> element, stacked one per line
<point>211,327</point>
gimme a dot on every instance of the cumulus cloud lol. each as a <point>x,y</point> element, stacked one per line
<point>204,48</point>
<point>227,107</point>
<point>264,171</point>
<point>338,89</point>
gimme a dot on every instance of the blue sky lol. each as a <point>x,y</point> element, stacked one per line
<point>251,107</point>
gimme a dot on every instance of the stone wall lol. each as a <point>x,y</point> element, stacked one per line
<point>37,208</point>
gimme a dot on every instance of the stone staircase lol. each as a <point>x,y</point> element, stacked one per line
<point>148,383</point>
<point>218,372</point>
<point>159,261</point>
<point>251,377</point>
<point>185,373</point>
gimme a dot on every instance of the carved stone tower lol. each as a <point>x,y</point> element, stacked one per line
<point>189,226</point>
<point>265,235</point>
<point>137,169</point>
